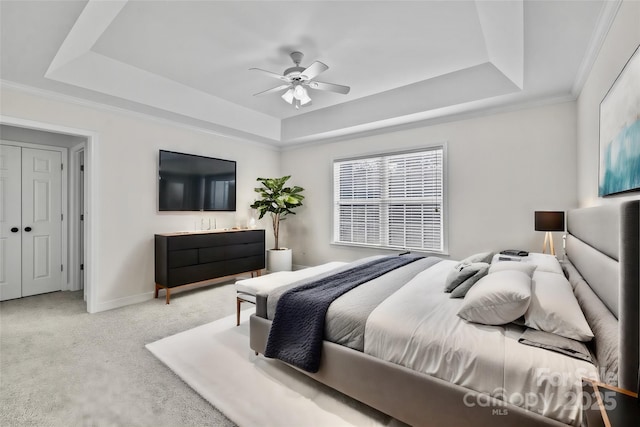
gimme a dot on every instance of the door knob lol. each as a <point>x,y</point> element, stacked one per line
<point>27,229</point>
<point>14,229</point>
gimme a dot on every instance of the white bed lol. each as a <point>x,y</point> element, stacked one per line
<point>425,366</point>
<point>418,327</point>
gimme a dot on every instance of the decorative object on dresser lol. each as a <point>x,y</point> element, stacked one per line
<point>192,257</point>
<point>279,201</point>
<point>549,221</point>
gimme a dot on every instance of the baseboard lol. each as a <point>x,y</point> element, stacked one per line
<point>121,302</point>
<point>135,299</point>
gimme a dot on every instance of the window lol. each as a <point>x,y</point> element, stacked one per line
<point>391,201</point>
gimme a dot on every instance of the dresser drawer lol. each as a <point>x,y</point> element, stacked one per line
<point>220,253</point>
<point>182,258</point>
<point>201,272</point>
<point>196,241</point>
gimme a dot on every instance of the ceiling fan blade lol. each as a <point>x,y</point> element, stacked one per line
<point>274,75</point>
<point>272,90</point>
<point>313,70</point>
<point>330,87</point>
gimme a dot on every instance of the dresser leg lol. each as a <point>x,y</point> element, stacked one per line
<point>157,288</point>
<point>168,295</point>
<point>238,302</point>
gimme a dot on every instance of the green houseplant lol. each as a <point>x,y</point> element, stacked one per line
<point>277,200</point>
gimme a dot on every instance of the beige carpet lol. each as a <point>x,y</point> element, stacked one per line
<point>216,361</point>
<point>63,367</point>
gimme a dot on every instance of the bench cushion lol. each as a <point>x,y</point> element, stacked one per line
<point>271,281</point>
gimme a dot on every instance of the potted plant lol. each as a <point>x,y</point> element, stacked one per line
<point>279,201</point>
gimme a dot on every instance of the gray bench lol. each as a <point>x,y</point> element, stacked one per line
<point>247,289</point>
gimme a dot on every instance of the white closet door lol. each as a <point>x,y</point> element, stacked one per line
<point>10,223</point>
<point>41,221</point>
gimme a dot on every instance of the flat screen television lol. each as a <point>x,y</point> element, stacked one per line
<point>195,183</point>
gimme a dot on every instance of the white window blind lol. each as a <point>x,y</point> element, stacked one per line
<point>393,201</point>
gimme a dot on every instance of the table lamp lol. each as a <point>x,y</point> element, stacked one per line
<point>549,221</point>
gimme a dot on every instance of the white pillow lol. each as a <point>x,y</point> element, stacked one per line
<point>497,298</point>
<point>545,262</point>
<point>555,309</point>
<point>525,267</point>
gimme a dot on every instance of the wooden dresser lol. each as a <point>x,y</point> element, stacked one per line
<point>192,257</point>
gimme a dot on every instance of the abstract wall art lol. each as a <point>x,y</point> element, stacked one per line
<point>620,132</point>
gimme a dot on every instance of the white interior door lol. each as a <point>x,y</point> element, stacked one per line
<point>41,221</point>
<point>10,223</point>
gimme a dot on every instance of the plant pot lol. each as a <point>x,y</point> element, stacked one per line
<point>279,259</point>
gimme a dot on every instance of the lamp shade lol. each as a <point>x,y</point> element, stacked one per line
<point>549,220</point>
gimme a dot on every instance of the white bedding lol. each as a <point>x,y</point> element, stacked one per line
<point>418,327</point>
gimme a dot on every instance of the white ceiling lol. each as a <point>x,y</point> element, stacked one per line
<point>405,61</point>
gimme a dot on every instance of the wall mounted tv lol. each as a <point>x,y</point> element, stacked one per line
<point>195,183</point>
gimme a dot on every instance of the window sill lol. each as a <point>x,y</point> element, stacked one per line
<point>390,249</point>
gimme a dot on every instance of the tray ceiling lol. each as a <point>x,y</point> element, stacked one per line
<point>405,62</point>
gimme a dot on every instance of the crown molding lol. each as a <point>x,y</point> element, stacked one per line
<point>56,96</point>
<point>605,21</point>
<point>284,146</point>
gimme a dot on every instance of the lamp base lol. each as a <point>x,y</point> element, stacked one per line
<point>548,237</point>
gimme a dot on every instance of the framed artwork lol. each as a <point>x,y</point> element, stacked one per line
<point>620,132</point>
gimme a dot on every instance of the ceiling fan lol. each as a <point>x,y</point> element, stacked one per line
<point>298,79</point>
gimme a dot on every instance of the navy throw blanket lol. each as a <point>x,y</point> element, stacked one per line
<point>297,330</point>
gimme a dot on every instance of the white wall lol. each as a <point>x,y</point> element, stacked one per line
<point>623,38</point>
<point>501,168</point>
<point>127,156</point>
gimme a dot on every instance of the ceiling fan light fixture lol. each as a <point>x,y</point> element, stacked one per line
<point>288,96</point>
<point>301,95</point>
<point>305,99</point>
<point>299,92</point>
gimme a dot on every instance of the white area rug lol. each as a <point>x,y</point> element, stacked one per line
<point>216,361</point>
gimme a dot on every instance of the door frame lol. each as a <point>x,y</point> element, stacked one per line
<point>64,197</point>
<point>74,216</point>
<point>92,219</point>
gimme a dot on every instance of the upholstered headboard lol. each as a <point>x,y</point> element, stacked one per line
<point>603,243</point>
